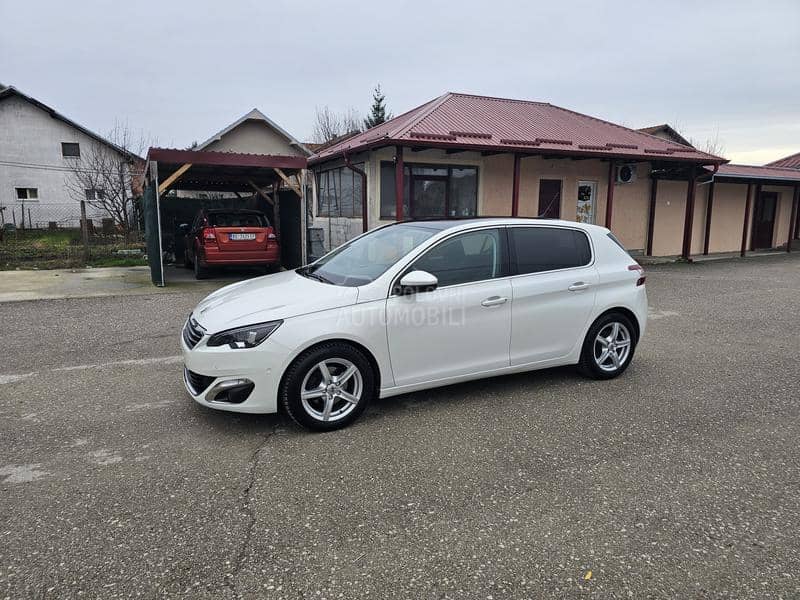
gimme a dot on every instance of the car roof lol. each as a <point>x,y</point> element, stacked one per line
<point>447,224</point>
<point>212,211</point>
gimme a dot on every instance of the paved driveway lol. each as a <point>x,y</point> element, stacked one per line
<point>680,479</point>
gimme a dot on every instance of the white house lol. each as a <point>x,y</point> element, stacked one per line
<point>39,148</point>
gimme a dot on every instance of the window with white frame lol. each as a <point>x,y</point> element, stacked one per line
<point>94,194</point>
<point>27,194</point>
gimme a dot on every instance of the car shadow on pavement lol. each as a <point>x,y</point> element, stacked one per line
<point>458,396</point>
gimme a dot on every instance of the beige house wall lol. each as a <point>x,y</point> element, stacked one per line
<point>727,217</point>
<point>631,201</point>
<point>254,137</point>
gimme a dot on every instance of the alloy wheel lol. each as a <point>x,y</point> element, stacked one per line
<point>331,389</point>
<point>612,346</point>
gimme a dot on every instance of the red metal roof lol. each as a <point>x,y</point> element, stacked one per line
<point>500,124</point>
<point>789,162</point>
<point>225,159</point>
<point>756,172</point>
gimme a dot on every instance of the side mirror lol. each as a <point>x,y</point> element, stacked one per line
<point>418,281</point>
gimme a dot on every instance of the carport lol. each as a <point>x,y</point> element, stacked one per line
<point>272,183</point>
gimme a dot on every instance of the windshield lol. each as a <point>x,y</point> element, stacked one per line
<point>365,259</point>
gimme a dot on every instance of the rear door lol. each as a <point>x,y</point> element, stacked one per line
<point>554,286</point>
<point>240,232</point>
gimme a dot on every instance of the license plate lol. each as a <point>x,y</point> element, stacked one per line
<point>242,236</point>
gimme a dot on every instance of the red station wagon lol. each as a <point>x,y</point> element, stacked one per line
<point>224,237</point>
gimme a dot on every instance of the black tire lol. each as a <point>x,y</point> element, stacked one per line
<point>305,368</point>
<point>187,264</point>
<point>272,268</point>
<point>200,272</point>
<point>589,364</point>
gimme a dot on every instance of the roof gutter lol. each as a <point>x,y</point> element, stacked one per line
<point>355,169</point>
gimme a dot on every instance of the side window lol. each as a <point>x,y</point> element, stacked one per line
<point>473,256</point>
<point>548,248</point>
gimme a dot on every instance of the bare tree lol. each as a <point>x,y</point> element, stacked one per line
<point>105,176</point>
<point>329,125</point>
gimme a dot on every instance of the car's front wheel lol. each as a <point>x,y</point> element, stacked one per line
<point>609,346</point>
<point>328,387</point>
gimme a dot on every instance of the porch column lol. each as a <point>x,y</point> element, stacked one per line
<point>398,183</point>
<point>793,220</point>
<point>746,220</point>
<point>688,220</point>
<point>651,216</point>
<point>515,189</point>
<point>610,194</point>
<point>709,208</point>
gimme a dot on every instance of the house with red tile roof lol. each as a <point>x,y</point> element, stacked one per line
<point>462,155</point>
<point>788,162</point>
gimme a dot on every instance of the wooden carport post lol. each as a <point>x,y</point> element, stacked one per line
<point>399,173</point>
<point>688,220</point>
<point>515,188</point>
<point>651,216</point>
<point>709,209</point>
<point>610,195</point>
<point>793,219</point>
<point>746,220</point>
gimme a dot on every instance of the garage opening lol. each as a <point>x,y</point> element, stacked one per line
<point>191,195</point>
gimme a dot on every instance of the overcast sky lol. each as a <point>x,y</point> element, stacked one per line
<point>182,70</point>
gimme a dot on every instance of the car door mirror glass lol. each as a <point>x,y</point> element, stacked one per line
<point>418,281</point>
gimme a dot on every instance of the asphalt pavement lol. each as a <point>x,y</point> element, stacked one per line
<point>680,479</point>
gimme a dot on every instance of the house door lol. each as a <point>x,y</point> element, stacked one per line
<point>587,192</point>
<point>549,199</point>
<point>764,220</point>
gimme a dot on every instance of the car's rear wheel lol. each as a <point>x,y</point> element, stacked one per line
<point>328,387</point>
<point>200,272</point>
<point>609,346</point>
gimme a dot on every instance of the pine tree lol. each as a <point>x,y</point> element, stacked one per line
<point>377,113</point>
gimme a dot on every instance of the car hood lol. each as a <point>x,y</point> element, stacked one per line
<point>269,298</point>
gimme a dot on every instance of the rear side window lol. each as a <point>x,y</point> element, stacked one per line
<point>614,239</point>
<point>548,248</point>
<point>237,220</point>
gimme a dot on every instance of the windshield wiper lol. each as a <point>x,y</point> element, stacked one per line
<point>305,272</point>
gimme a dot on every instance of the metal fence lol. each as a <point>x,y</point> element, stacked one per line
<point>50,236</point>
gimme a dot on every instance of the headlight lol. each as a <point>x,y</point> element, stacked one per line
<point>244,337</point>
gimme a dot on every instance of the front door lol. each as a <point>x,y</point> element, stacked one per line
<point>764,220</point>
<point>549,199</point>
<point>587,192</point>
<point>463,326</point>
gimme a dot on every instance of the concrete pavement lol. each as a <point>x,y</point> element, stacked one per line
<point>676,480</point>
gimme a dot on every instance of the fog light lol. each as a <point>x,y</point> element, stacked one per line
<point>232,391</point>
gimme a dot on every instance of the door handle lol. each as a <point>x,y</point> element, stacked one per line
<point>578,286</point>
<point>494,301</point>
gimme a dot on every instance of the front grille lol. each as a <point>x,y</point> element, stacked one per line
<point>193,332</point>
<point>198,383</point>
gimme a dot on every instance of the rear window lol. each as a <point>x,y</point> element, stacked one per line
<point>614,239</point>
<point>549,248</point>
<point>237,220</point>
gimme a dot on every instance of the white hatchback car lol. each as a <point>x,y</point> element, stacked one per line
<point>416,305</point>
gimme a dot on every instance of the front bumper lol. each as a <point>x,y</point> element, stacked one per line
<point>221,366</point>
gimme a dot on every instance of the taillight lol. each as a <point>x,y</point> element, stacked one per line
<point>209,235</point>
<point>271,235</point>
<point>640,269</point>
